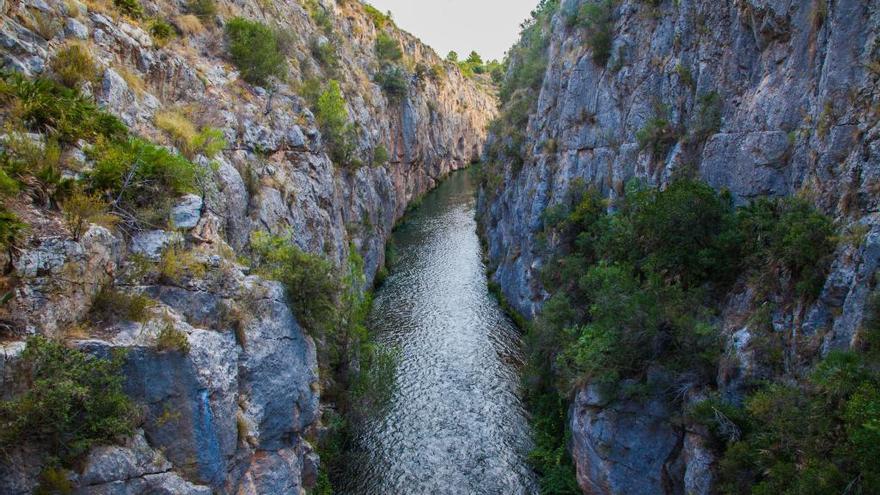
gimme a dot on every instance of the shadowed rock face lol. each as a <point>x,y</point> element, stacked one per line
<point>798,105</point>
<point>229,416</point>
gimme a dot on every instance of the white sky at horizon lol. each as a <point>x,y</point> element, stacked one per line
<point>488,26</point>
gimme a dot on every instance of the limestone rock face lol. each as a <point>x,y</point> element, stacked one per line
<point>235,413</point>
<point>798,115</point>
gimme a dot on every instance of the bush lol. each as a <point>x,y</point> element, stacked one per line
<point>380,155</point>
<point>393,80</point>
<point>170,339</point>
<point>708,118</point>
<point>311,282</point>
<point>11,228</point>
<point>70,402</point>
<point>380,20</point>
<point>162,32</point>
<point>111,306</point>
<point>73,65</point>
<point>388,49</point>
<point>789,236</point>
<point>131,8</point>
<point>658,135</point>
<point>598,19</point>
<point>325,54</point>
<point>254,49</point>
<point>332,116</point>
<point>176,263</point>
<point>43,106</point>
<point>34,167</point>
<point>80,210</point>
<point>203,9</point>
<point>819,436</point>
<point>136,173</point>
<point>191,142</point>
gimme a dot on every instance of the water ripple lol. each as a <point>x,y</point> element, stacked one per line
<point>456,424</point>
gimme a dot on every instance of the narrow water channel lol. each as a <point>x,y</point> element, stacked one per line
<point>456,423</point>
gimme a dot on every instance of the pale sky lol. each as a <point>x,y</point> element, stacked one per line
<point>488,26</point>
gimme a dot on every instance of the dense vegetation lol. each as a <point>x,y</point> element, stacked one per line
<point>132,178</point>
<point>518,92</point>
<point>67,402</point>
<point>637,291</point>
<point>333,306</point>
<point>255,49</point>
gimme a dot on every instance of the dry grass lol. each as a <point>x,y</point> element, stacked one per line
<point>134,81</point>
<point>178,126</point>
<point>189,24</point>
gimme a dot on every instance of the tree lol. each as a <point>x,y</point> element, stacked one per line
<point>452,57</point>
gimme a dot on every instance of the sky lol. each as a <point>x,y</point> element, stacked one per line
<point>488,26</point>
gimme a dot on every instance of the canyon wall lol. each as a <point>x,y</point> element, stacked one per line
<point>240,411</point>
<point>797,89</point>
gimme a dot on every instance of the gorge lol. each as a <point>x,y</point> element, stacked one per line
<point>239,254</point>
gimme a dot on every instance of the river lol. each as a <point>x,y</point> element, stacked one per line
<point>456,422</point>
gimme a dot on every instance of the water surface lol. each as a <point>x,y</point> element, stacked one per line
<point>456,423</point>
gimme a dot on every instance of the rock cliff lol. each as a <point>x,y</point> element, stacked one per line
<point>794,85</point>
<point>237,413</point>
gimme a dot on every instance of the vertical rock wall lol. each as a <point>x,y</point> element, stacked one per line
<point>797,83</point>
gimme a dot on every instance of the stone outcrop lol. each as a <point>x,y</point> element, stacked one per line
<point>797,88</point>
<point>236,413</point>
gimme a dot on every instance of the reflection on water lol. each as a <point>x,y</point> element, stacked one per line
<point>456,423</point>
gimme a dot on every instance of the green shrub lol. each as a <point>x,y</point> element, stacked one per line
<point>332,116</point>
<point>74,65</point>
<point>311,282</point>
<point>203,9</point>
<point>33,167</point>
<point>658,135</point>
<point>80,210</point>
<point>43,106</point>
<point>137,174</point>
<point>320,16</point>
<point>598,20</point>
<point>131,8</point>
<point>380,155</point>
<point>325,54</point>
<point>162,32</point>
<point>111,306</point>
<point>388,49</point>
<point>170,339</point>
<point>708,119</point>
<point>393,80</point>
<point>70,402</point>
<point>11,228</point>
<point>787,235</point>
<point>254,49</point>
<point>380,20</point>
<point>818,436</point>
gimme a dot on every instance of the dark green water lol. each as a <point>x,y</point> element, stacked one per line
<point>456,423</point>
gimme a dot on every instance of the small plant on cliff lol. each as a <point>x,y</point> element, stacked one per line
<point>42,105</point>
<point>388,48</point>
<point>203,9</point>
<point>332,116</point>
<point>254,49</point>
<point>170,339</point>
<point>131,8</point>
<point>380,19</point>
<point>598,20</point>
<point>311,282</point>
<point>65,402</point>
<point>81,210</point>
<point>393,80</point>
<point>137,174</point>
<point>74,65</point>
<point>658,135</point>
